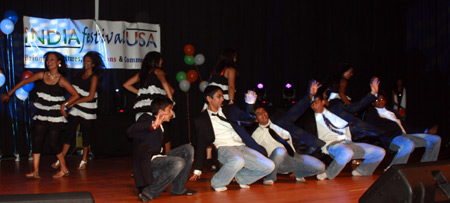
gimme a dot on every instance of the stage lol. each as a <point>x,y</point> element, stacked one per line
<point>109,180</point>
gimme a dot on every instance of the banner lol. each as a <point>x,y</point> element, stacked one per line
<point>122,44</point>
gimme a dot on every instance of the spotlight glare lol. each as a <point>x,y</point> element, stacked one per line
<point>288,85</point>
<point>117,90</point>
<point>260,86</point>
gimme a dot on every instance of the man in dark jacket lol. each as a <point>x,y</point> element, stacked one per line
<point>153,172</point>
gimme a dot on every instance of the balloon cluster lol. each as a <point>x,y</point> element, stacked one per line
<point>22,93</point>
<point>7,24</point>
<point>185,79</point>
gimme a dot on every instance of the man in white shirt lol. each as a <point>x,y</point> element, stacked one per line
<point>278,144</point>
<point>335,132</point>
<point>242,158</point>
<point>397,137</point>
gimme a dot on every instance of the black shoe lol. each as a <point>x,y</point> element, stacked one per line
<point>144,198</point>
<point>187,192</point>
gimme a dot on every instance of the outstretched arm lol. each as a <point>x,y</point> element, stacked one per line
<point>31,79</point>
<point>231,75</point>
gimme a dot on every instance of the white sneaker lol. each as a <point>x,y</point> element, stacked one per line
<point>322,176</point>
<point>268,182</point>
<point>300,180</point>
<point>356,173</point>
<point>244,186</point>
<point>220,189</point>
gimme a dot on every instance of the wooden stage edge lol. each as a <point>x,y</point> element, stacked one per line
<point>109,180</point>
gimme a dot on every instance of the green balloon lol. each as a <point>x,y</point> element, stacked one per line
<point>189,60</point>
<point>181,75</point>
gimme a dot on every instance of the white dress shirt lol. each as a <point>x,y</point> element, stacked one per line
<point>328,136</point>
<point>224,133</point>
<point>384,113</point>
<point>262,136</point>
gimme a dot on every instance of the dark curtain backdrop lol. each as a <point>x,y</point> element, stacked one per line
<point>277,42</point>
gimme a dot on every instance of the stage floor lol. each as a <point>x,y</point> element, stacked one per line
<point>109,180</point>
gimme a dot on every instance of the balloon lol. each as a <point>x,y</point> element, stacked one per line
<point>28,87</point>
<point>202,86</point>
<point>26,75</point>
<point>199,59</point>
<point>189,49</point>
<point>191,76</point>
<point>185,85</point>
<point>12,15</point>
<point>21,94</point>
<point>189,60</point>
<point>2,79</point>
<point>7,26</point>
<point>181,75</point>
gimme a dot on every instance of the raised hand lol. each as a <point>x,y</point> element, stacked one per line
<point>374,83</point>
<point>313,87</point>
<point>250,97</point>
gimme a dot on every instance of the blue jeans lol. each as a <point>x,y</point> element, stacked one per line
<point>343,152</point>
<point>301,165</point>
<point>174,168</point>
<point>405,144</point>
<point>243,163</point>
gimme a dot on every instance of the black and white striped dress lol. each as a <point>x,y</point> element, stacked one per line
<point>85,110</point>
<point>48,103</point>
<point>222,82</point>
<point>147,93</point>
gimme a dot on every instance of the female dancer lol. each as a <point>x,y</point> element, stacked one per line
<point>152,81</point>
<point>224,74</point>
<point>84,109</point>
<point>337,84</point>
<point>50,115</point>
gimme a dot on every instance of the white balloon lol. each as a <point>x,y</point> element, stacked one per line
<point>199,59</point>
<point>203,85</point>
<point>21,94</point>
<point>2,79</point>
<point>185,85</point>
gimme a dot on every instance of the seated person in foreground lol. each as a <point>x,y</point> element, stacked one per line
<point>242,158</point>
<point>335,132</point>
<point>279,144</point>
<point>397,137</point>
<point>153,172</point>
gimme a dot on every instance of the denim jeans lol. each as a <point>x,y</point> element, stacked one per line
<point>174,168</point>
<point>343,152</point>
<point>243,163</point>
<point>301,165</point>
<point>405,144</point>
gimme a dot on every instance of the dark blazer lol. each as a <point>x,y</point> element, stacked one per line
<point>146,143</point>
<point>389,129</point>
<point>206,136</point>
<point>287,122</point>
<point>359,128</point>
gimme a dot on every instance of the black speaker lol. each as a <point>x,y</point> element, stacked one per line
<point>76,197</point>
<point>418,182</point>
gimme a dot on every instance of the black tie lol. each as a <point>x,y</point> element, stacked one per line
<point>276,137</point>
<point>332,127</point>
<point>220,117</point>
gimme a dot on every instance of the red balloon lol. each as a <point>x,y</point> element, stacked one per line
<point>191,76</point>
<point>26,75</point>
<point>189,49</point>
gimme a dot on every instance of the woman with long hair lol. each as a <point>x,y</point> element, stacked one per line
<point>84,110</point>
<point>51,115</point>
<point>151,81</point>
<point>224,74</point>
